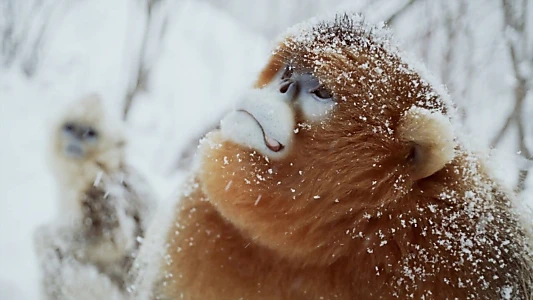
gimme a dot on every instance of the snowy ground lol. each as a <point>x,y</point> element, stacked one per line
<point>206,57</point>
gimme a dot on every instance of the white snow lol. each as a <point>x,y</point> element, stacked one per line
<point>207,56</point>
<point>204,58</point>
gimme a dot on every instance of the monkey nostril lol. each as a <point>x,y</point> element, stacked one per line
<point>90,133</point>
<point>284,87</point>
<point>288,87</point>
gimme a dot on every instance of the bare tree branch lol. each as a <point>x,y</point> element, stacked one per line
<point>452,24</point>
<point>515,24</point>
<point>15,26</point>
<point>524,151</point>
<point>30,63</point>
<point>501,133</point>
<point>469,65</point>
<point>141,77</point>
<point>392,18</point>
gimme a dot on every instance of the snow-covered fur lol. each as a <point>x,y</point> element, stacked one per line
<point>104,210</point>
<point>433,138</point>
<point>64,275</point>
<point>378,200</point>
<point>148,263</point>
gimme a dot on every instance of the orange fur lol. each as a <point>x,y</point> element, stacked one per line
<point>344,215</point>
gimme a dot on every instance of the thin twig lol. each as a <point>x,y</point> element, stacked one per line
<point>392,18</point>
<point>517,23</point>
<point>497,139</point>
<point>142,71</point>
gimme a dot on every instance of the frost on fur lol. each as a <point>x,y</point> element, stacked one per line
<point>432,136</point>
<point>63,274</point>
<point>339,215</point>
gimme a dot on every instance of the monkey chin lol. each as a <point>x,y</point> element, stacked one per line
<point>250,189</point>
<point>237,179</point>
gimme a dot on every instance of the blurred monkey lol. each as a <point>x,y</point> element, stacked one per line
<point>104,208</point>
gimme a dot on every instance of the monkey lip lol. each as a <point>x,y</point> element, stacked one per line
<point>271,143</point>
<point>73,150</point>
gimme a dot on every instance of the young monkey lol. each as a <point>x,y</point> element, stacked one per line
<point>104,208</point>
<point>340,176</point>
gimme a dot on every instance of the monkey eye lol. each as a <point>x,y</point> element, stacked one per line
<point>69,127</point>
<point>288,72</point>
<point>91,133</point>
<point>321,93</point>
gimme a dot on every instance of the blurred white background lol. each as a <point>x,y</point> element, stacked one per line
<point>170,68</point>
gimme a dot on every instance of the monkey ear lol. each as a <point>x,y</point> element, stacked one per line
<point>432,138</point>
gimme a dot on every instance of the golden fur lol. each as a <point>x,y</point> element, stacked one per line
<point>353,211</point>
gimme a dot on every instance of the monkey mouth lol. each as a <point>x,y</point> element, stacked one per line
<point>73,150</point>
<point>271,143</point>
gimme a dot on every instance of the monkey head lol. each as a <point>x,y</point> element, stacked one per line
<point>86,139</point>
<point>337,127</point>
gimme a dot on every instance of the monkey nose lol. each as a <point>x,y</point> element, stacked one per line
<point>289,87</point>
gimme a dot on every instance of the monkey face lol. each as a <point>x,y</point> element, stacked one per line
<point>321,140</point>
<point>78,140</point>
<point>86,138</point>
<point>265,119</point>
